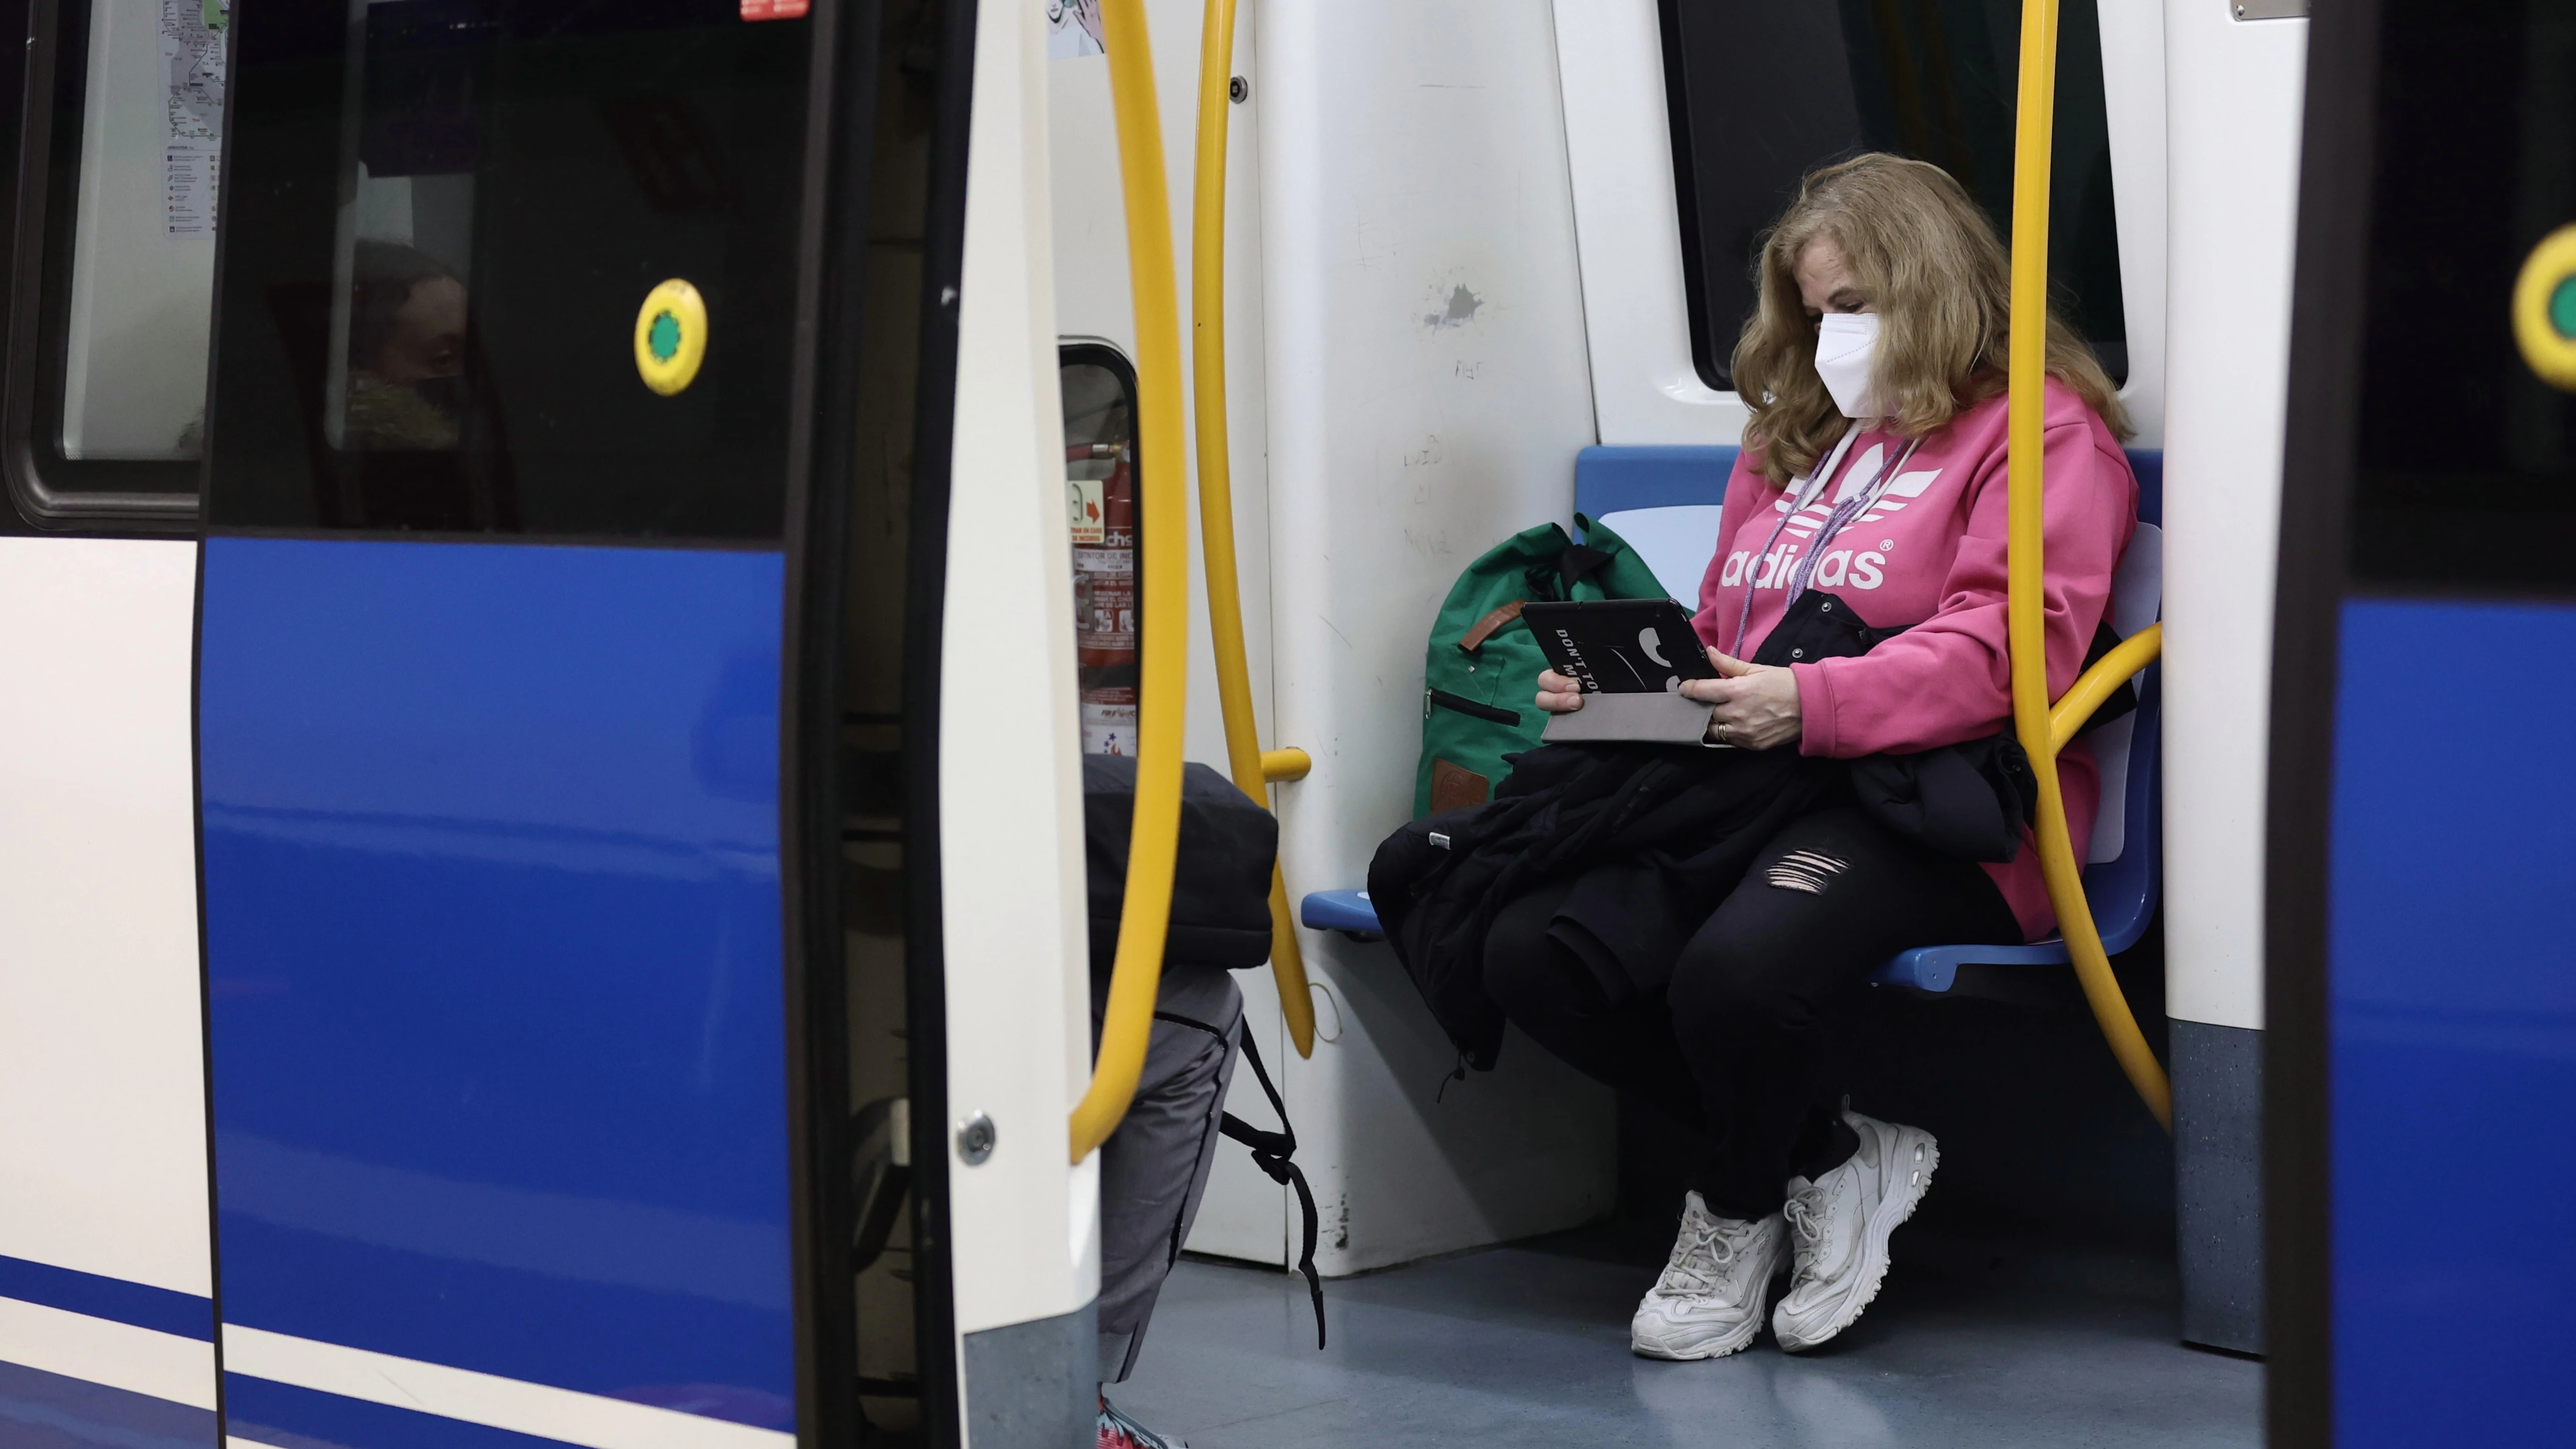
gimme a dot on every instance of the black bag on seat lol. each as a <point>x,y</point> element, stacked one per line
<point>1221,885</point>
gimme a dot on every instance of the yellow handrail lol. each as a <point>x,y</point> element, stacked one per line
<point>1251,769</point>
<point>2077,705</point>
<point>2032,722</point>
<point>1154,838</point>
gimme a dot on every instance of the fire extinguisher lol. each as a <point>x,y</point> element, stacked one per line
<point>1104,594</point>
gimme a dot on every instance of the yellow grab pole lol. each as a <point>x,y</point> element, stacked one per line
<point>1154,838</point>
<point>2026,610</point>
<point>1216,495</point>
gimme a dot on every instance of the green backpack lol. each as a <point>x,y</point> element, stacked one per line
<point>1481,679</point>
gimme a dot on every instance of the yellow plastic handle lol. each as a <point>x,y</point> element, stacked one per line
<point>1287,764</point>
<point>1250,767</point>
<point>1154,838</point>
<point>2032,722</point>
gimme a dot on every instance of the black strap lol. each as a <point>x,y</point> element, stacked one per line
<point>1579,562</point>
<point>1270,1153</point>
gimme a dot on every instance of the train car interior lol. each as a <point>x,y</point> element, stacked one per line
<point>1519,315</point>
<point>572,571</point>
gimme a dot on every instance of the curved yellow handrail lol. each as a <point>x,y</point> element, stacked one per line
<point>2032,720</point>
<point>2099,683</point>
<point>1154,838</point>
<point>1216,499</point>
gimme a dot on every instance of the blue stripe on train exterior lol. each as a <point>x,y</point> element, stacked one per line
<point>137,1304</point>
<point>495,959</point>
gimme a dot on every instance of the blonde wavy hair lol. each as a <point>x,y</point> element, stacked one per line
<point>1928,260</point>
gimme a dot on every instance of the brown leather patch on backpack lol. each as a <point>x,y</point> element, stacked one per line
<point>1475,637</point>
<point>1454,787</point>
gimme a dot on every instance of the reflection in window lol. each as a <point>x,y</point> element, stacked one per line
<point>406,357</point>
<point>1763,91</point>
<point>1100,504</point>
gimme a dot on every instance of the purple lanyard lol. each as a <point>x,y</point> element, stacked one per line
<point>1855,501</point>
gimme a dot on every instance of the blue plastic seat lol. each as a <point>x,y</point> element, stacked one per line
<point>1665,502</point>
<point>1348,912</point>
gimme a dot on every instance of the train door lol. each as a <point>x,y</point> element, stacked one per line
<point>2424,1020</point>
<point>502,721</point>
<point>544,780</point>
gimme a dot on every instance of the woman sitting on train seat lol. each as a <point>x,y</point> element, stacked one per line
<point>1873,471</point>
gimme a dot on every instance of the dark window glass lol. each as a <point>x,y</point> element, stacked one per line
<point>114,291</point>
<point>1763,91</point>
<point>1100,504</point>
<point>444,218</point>
<point>2465,473</point>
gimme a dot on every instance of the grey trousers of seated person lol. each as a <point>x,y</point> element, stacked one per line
<point>1155,1166</point>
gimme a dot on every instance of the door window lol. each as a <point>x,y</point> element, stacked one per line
<point>1763,91</point>
<point>1100,504</point>
<point>123,153</point>
<point>2464,449</point>
<point>512,267</point>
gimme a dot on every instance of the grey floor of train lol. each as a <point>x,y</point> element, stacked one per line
<point>1970,1343</point>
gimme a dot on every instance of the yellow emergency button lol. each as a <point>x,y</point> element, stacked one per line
<point>670,337</point>
<point>2544,309</point>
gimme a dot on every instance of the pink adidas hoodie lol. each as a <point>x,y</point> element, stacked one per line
<point>1930,553</point>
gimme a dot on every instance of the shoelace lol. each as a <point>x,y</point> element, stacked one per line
<point>1805,1213</point>
<point>1709,1239</point>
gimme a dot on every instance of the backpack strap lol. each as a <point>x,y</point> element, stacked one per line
<point>1581,561</point>
<point>1484,628</point>
<point>1270,1153</point>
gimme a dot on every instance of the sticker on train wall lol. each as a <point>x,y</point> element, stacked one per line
<point>1074,29</point>
<point>774,9</point>
<point>670,337</point>
<point>2544,309</point>
<point>1087,509</point>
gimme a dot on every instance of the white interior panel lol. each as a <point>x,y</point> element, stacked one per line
<point>1428,393</point>
<point>1024,1225</point>
<point>2235,160</point>
<point>2133,104</point>
<point>102,1028</point>
<point>1619,144</point>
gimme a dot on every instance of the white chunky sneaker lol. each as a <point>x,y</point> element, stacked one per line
<point>1709,1301</point>
<point>1839,1225</point>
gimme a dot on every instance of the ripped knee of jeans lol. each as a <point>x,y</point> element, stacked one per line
<point>1805,870</point>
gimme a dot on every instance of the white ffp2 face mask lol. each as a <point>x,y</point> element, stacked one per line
<point>1845,344</point>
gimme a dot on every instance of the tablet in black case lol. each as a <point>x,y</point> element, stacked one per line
<point>1620,646</point>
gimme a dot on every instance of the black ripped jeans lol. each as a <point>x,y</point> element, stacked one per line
<point>1735,1043</point>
